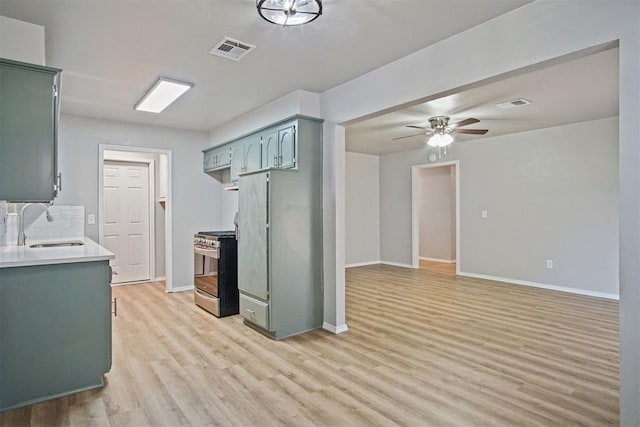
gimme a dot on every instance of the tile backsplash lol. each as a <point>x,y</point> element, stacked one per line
<point>67,224</point>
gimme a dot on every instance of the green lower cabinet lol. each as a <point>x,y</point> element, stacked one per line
<point>55,331</point>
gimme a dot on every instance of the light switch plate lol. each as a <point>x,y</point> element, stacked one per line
<point>91,219</point>
<point>485,214</point>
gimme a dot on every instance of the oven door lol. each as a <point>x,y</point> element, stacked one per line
<point>205,278</point>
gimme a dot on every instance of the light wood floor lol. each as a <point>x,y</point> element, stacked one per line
<point>423,348</point>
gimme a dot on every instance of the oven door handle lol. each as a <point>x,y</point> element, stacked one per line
<point>213,253</point>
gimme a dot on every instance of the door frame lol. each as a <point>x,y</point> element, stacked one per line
<point>415,210</point>
<point>168,225</point>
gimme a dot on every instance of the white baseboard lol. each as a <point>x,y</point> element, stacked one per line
<point>446,261</point>
<point>397,264</point>
<point>142,282</point>
<point>181,289</point>
<point>542,285</point>
<point>160,279</point>
<point>335,329</point>
<point>362,264</point>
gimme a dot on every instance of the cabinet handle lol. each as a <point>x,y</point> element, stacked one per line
<point>115,307</point>
<point>251,312</point>
<point>57,185</point>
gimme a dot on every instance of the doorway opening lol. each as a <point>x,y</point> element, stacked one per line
<point>435,213</point>
<point>135,212</point>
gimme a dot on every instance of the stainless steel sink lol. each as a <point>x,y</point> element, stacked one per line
<point>56,244</point>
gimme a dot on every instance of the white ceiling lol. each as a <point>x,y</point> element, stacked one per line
<point>112,51</point>
<point>570,92</point>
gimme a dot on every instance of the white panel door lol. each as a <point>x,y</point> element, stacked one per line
<point>126,219</point>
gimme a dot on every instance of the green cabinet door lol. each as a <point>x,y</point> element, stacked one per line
<point>223,156</point>
<point>252,153</point>
<point>28,126</point>
<point>237,160</point>
<point>253,203</point>
<point>270,149</point>
<point>208,161</point>
<point>287,147</point>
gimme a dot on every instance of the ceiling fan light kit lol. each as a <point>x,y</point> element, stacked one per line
<point>441,131</point>
<point>440,140</point>
<point>288,13</point>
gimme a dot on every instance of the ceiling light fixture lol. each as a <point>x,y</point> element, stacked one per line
<point>441,132</point>
<point>440,140</point>
<point>289,12</point>
<point>162,94</point>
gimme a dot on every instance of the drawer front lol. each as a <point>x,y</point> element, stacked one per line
<point>208,302</point>
<point>254,311</point>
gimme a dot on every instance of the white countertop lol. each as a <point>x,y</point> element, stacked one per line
<point>24,256</point>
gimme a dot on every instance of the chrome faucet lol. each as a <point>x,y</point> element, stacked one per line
<point>21,235</point>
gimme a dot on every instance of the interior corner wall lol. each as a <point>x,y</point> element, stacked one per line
<point>194,193</point>
<point>362,192</point>
<point>549,194</point>
<point>437,213</point>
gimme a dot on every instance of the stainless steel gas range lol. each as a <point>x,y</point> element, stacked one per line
<point>215,276</point>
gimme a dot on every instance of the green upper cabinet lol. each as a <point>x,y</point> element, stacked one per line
<point>223,156</point>
<point>274,147</point>
<point>217,158</point>
<point>270,149</point>
<point>237,159</point>
<point>28,132</point>
<point>287,147</point>
<point>279,147</point>
<point>245,156</point>
<point>253,153</point>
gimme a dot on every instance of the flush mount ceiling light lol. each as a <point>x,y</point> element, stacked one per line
<point>289,12</point>
<point>162,94</point>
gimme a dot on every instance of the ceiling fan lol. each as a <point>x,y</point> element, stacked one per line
<point>442,130</point>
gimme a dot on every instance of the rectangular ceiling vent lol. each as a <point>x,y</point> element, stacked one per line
<point>514,103</point>
<point>231,49</point>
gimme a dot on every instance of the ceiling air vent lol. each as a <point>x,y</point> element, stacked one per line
<point>514,103</point>
<point>231,49</point>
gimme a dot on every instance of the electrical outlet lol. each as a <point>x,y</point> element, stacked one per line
<point>91,219</point>
<point>485,214</point>
<point>549,264</point>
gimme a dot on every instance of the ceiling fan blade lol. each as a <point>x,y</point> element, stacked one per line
<point>408,136</point>
<point>416,127</point>
<point>464,122</point>
<point>471,131</point>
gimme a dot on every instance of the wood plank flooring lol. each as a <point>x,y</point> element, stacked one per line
<point>424,347</point>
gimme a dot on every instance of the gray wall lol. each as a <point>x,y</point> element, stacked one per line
<point>550,194</point>
<point>437,213</point>
<point>362,208</point>
<point>194,193</point>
